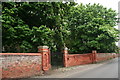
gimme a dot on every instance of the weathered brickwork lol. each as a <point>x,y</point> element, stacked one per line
<point>19,65</point>
<point>79,59</point>
<point>104,56</point>
<point>15,66</point>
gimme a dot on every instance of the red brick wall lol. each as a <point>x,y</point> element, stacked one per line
<point>104,56</point>
<point>78,59</point>
<point>19,65</point>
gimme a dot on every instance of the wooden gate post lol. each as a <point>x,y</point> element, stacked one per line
<point>45,57</point>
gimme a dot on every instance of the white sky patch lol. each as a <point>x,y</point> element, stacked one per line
<point>106,3</point>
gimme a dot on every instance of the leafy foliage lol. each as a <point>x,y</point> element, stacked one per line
<point>28,25</point>
<point>92,28</point>
<point>81,28</point>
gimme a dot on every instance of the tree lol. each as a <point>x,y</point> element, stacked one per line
<point>81,28</point>
<point>19,36</point>
<point>52,15</point>
<point>24,24</point>
<point>92,28</point>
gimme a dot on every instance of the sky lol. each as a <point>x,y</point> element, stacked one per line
<point>106,3</point>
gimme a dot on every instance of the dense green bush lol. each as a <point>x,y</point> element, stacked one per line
<point>92,28</point>
<point>27,25</point>
<point>81,28</point>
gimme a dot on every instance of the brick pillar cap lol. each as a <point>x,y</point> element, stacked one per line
<point>65,48</point>
<point>43,47</point>
<point>94,51</point>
